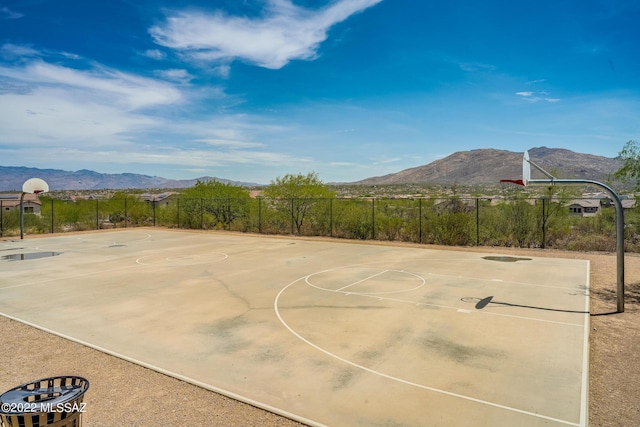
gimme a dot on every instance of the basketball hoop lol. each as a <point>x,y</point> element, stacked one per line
<point>30,186</point>
<point>551,180</point>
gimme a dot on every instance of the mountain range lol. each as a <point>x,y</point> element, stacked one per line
<point>12,178</point>
<point>475,167</point>
<point>489,166</point>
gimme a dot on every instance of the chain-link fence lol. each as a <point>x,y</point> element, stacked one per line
<point>573,224</point>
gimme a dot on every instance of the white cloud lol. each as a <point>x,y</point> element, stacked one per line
<point>154,54</point>
<point>42,103</point>
<point>12,51</point>
<point>222,71</point>
<point>70,55</point>
<point>174,156</point>
<point>230,143</point>
<point>52,117</point>
<point>98,85</point>
<point>534,97</point>
<point>178,75</point>
<point>285,32</point>
<point>100,116</point>
<point>6,13</point>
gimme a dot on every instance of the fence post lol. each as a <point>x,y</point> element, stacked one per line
<point>153,207</point>
<point>229,212</point>
<point>331,217</point>
<point>126,217</point>
<point>477,221</point>
<point>201,213</point>
<point>178,212</point>
<point>97,216</point>
<point>260,215</point>
<point>420,220</point>
<point>52,229</point>
<point>544,224</point>
<point>373,218</point>
<point>1,223</point>
<point>292,215</point>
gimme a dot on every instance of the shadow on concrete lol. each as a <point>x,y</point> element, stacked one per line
<point>482,303</point>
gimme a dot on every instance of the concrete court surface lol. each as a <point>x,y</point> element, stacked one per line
<point>324,332</point>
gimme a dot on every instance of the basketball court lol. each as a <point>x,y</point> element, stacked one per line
<point>324,332</point>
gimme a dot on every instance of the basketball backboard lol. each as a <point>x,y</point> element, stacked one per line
<point>35,186</point>
<point>526,169</point>
<point>526,172</point>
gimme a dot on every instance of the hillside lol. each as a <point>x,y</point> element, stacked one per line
<point>12,178</point>
<point>488,166</point>
<point>483,167</point>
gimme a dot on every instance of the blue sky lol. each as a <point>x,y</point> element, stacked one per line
<point>250,90</point>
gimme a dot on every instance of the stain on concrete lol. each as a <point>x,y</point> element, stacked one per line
<point>227,334</point>
<point>343,378</point>
<point>459,353</point>
<point>269,354</point>
<point>369,355</point>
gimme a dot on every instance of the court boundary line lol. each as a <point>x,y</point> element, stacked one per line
<point>189,380</point>
<point>584,407</point>
<point>584,411</point>
<point>407,382</point>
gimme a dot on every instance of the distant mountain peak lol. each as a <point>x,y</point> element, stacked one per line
<point>487,166</point>
<point>12,178</point>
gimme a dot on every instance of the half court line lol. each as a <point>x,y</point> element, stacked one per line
<point>363,280</point>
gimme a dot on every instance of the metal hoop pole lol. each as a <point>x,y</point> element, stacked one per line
<point>619,227</point>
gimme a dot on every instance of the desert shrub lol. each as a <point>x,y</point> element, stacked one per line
<point>449,222</point>
<point>275,216</point>
<point>590,242</point>
<point>352,219</point>
<point>10,225</point>
<point>396,219</point>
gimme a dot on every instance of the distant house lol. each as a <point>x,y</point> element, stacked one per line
<point>162,199</point>
<point>30,203</point>
<point>584,207</point>
<point>628,203</point>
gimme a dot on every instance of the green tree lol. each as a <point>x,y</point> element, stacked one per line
<point>630,170</point>
<point>126,208</point>
<point>215,190</point>
<point>217,204</point>
<point>449,222</point>
<point>298,194</point>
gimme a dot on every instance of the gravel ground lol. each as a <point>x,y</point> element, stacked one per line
<point>123,393</point>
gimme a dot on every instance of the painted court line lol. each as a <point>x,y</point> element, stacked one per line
<point>363,280</point>
<point>410,383</point>
<point>458,309</point>
<point>170,373</point>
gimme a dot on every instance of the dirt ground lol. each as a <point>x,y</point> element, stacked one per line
<point>122,393</point>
